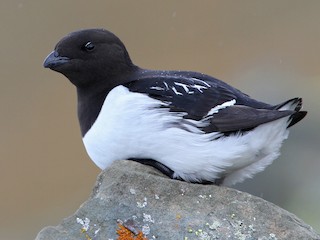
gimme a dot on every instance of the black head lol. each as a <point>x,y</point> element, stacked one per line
<point>87,57</point>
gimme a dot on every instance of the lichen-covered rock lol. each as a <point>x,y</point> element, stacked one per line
<point>130,199</point>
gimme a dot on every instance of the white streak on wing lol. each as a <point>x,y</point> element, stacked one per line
<point>201,81</point>
<point>175,91</point>
<point>157,88</point>
<point>199,87</point>
<point>222,106</point>
<point>185,86</point>
<point>166,84</point>
<point>198,84</point>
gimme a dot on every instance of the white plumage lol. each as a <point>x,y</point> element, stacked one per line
<point>131,125</point>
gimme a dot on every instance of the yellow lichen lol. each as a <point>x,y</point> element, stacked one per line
<point>83,230</point>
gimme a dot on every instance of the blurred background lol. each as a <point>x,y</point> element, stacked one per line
<point>268,49</point>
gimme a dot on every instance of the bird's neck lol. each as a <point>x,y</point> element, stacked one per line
<point>91,97</point>
<point>89,106</point>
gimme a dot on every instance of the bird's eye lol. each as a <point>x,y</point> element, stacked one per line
<point>89,46</point>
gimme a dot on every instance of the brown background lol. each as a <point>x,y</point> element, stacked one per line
<point>268,49</point>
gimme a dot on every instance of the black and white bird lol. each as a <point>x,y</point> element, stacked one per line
<point>188,125</point>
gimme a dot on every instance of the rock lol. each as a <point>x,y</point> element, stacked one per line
<point>130,196</point>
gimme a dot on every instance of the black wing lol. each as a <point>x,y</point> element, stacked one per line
<point>196,94</point>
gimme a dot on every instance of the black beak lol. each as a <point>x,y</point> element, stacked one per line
<point>53,60</point>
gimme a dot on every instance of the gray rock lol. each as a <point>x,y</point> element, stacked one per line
<point>142,199</point>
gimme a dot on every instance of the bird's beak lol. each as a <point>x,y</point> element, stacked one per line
<point>53,60</point>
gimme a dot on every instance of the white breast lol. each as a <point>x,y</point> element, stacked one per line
<point>130,125</point>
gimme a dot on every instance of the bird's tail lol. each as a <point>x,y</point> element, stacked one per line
<point>295,105</point>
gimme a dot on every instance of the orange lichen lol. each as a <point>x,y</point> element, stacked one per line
<point>126,234</point>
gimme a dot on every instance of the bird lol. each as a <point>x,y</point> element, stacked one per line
<point>188,125</point>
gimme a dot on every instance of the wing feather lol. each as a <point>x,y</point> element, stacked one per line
<point>197,94</point>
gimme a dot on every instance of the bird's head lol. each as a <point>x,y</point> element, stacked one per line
<point>87,57</point>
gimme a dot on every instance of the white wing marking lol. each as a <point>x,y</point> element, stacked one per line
<point>202,82</point>
<point>175,91</point>
<point>199,87</point>
<point>157,88</point>
<point>185,86</point>
<point>222,106</point>
<point>166,84</point>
